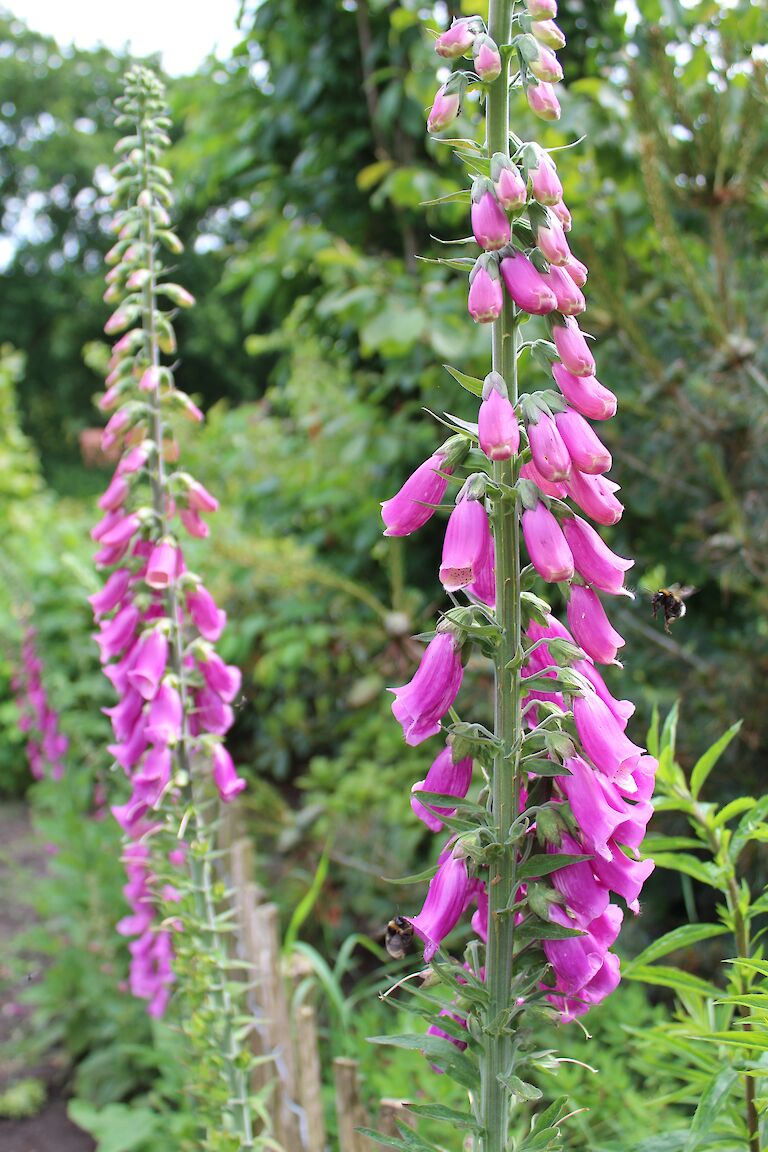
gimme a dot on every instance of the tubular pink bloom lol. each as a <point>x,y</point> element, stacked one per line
<point>466,544</point>
<point>602,738</point>
<point>413,505</point>
<point>116,425</point>
<point>605,981</point>
<point>211,713</point>
<point>149,664</point>
<point>574,960</point>
<point>121,532</point>
<point>156,767</point>
<point>116,634</point>
<point>128,752</point>
<point>115,494</point>
<point>448,779</point>
<point>598,820</point>
<point>497,427</point>
<point>570,298</point>
<point>529,471</point>
<point>200,499</point>
<point>584,895</point>
<point>526,285</point>
<point>208,619</point>
<point>225,776</point>
<point>510,189</point>
<point>547,32</point>
<point>488,61</point>
<point>591,627</point>
<point>542,9</point>
<point>125,715</point>
<point>585,394</point>
<point>586,450</point>
<point>561,211</point>
<point>644,779</point>
<point>546,544</point>
<point>624,876</point>
<point>577,271</point>
<point>420,705</point>
<point>489,222</point>
<point>545,182</point>
<point>456,41</point>
<point>621,710</point>
<point>572,348</point>
<point>150,379</point>
<point>486,298</point>
<point>593,559</point>
<point>551,240</point>
<point>484,584</point>
<point>547,66</point>
<point>443,906</point>
<point>110,520</point>
<point>543,101</point>
<point>111,594</point>
<point>164,721</point>
<point>595,496</point>
<point>223,679</point>
<point>194,523</point>
<point>549,451</point>
<point>433,1030</point>
<point>162,565</point>
<point>444,110</point>
<point>133,460</point>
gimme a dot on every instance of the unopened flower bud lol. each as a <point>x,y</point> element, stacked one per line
<point>526,285</point>
<point>489,220</point>
<point>547,32</point>
<point>487,59</point>
<point>543,101</point>
<point>510,189</point>
<point>444,110</point>
<point>456,41</point>
<point>542,9</point>
<point>546,66</point>
<point>486,298</point>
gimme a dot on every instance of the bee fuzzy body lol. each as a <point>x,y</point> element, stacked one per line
<point>398,937</point>
<point>671,602</point>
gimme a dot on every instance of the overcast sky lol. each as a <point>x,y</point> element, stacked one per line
<point>183,31</point>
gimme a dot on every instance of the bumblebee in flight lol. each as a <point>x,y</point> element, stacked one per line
<point>670,601</point>
<point>398,937</point>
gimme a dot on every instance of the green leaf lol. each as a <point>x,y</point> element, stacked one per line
<point>116,1128</point>
<point>471,383</point>
<point>700,870</point>
<point>682,937</point>
<point>675,978</point>
<point>307,902</point>
<point>747,827</point>
<point>706,763</point>
<point>713,1101</point>
<point>736,807</point>
<point>532,930</point>
<point>441,1112</point>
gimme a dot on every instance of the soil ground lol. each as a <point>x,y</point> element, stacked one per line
<point>50,1130</point>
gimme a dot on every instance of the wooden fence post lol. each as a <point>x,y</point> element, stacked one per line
<point>391,1113</point>
<point>350,1113</point>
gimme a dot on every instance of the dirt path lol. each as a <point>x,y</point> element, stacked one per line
<point>49,1130</point>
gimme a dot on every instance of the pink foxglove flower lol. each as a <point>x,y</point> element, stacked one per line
<point>420,705</point>
<point>445,902</point>
<point>466,545</point>
<point>546,67</point>
<point>529,471</point>
<point>597,818</point>
<point>510,189</point>
<point>486,298</point>
<point>577,271</point>
<point>148,666</point>
<point>225,777</point>
<point>584,894</point>
<point>542,9</point>
<point>603,740</point>
<point>594,560</point>
<point>591,627</point>
<point>447,778</point>
<point>456,41</point>
<point>489,222</point>
<point>415,503</point>
<point>209,620</point>
<point>562,212</point>
<point>548,449</point>
<point>548,33</point>
<point>624,876</point>
<point>546,544</point>
<point>444,110</point>
<point>569,297</point>
<point>586,450</point>
<point>526,285</point>
<point>572,348</point>
<point>498,430</point>
<point>595,496</point>
<point>162,565</point>
<point>585,394</point>
<point>223,679</point>
<point>545,182</point>
<point>487,59</point>
<point>164,719</point>
<point>543,101</point>
<point>550,238</point>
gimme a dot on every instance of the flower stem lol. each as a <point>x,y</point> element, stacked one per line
<point>505,791</point>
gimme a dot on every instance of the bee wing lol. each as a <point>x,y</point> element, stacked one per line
<point>686,591</point>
